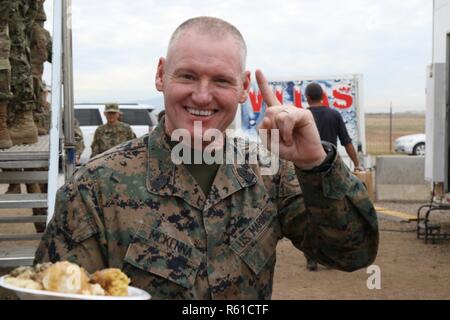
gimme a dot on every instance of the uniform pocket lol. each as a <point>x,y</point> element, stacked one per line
<point>256,246</point>
<point>158,253</point>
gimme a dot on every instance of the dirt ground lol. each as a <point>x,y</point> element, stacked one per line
<point>410,269</point>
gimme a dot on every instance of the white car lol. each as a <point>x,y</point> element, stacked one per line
<point>139,116</point>
<point>413,144</point>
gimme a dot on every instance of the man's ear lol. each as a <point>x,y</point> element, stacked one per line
<point>159,79</point>
<point>246,86</point>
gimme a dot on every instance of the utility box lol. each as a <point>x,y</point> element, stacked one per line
<point>400,178</point>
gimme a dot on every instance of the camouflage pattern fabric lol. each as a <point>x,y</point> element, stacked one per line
<point>132,208</point>
<point>20,26</point>
<point>40,52</point>
<point>41,44</point>
<point>5,9</point>
<point>40,15</point>
<point>42,119</point>
<point>5,50</point>
<point>108,136</point>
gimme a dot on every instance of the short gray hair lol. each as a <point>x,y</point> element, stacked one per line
<point>213,27</point>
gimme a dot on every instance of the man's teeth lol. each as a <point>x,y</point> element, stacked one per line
<point>204,113</point>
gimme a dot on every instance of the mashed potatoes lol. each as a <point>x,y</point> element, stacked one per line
<point>66,277</point>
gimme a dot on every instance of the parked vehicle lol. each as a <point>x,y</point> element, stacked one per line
<point>413,144</point>
<point>140,117</point>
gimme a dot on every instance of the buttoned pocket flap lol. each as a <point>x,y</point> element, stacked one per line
<point>161,254</point>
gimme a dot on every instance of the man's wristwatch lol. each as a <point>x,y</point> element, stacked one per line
<point>330,149</point>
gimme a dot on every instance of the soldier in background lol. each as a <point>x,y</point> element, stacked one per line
<point>112,133</point>
<point>16,87</point>
<point>5,72</point>
<point>20,109</point>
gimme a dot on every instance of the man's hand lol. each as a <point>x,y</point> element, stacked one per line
<point>299,137</point>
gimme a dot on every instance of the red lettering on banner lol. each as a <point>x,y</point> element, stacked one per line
<point>279,94</point>
<point>325,101</point>
<point>345,97</point>
<point>298,98</point>
<point>256,100</point>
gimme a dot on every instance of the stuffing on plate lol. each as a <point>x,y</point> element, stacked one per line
<point>67,277</point>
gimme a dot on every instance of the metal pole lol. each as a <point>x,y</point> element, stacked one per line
<point>390,129</point>
<point>69,143</point>
<point>360,113</point>
<point>56,108</point>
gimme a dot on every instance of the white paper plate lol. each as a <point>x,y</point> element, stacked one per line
<point>30,294</point>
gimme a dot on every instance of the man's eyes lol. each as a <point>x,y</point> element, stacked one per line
<point>191,77</point>
<point>187,76</point>
<point>223,81</point>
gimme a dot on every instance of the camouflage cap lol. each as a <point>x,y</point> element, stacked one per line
<point>112,107</point>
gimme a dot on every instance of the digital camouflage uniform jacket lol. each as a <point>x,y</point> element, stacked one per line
<point>108,136</point>
<point>132,208</point>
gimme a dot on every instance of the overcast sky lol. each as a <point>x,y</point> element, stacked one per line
<point>117,44</point>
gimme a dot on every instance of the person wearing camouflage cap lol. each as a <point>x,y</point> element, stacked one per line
<point>112,133</point>
<point>210,231</point>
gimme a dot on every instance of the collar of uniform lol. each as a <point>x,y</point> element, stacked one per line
<point>115,125</point>
<point>164,177</point>
<point>231,177</point>
<point>167,179</point>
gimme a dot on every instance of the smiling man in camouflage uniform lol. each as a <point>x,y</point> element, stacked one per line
<point>210,231</point>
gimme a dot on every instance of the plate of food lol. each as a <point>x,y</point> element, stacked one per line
<point>67,281</point>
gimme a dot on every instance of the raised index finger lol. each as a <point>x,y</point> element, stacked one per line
<point>268,95</point>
